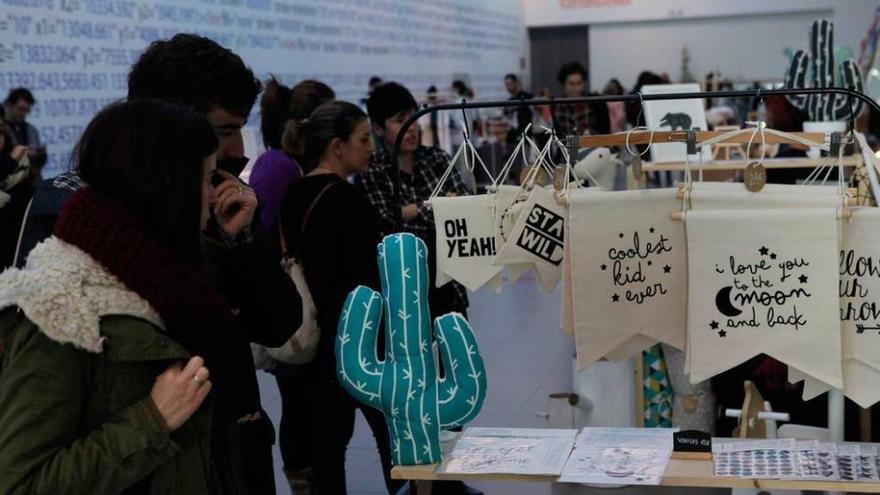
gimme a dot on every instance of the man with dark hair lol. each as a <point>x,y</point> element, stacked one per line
<point>420,168</point>
<point>578,118</point>
<point>198,72</point>
<point>523,114</point>
<point>19,103</point>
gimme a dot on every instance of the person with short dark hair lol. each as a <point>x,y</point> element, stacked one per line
<point>420,171</point>
<point>116,376</point>
<point>16,189</point>
<point>578,118</point>
<point>212,80</point>
<point>520,117</point>
<point>329,223</point>
<point>19,103</point>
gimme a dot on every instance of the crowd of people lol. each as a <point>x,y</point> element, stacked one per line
<point>145,272</point>
<point>135,282</point>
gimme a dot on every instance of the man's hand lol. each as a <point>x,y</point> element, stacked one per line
<point>18,152</point>
<point>236,204</point>
<point>410,212</point>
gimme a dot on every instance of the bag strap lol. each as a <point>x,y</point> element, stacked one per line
<point>305,221</point>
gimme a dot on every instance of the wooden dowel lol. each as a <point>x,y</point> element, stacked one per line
<point>849,201</point>
<point>644,137</point>
<point>848,161</point>
<point>678,216</point>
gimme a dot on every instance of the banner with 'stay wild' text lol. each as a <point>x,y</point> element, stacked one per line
<point>628,272</point>
<point>763,281</point>
<point>538,237</point>
<point>466,243</point>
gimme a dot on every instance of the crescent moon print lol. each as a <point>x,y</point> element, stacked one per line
<point>722,302</point>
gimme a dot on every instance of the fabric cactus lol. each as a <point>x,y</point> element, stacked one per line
<point>405,386</point>
<point>823,107</point>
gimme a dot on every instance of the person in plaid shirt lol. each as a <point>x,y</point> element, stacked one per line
<point>421,168</point>
<point>578,118</point>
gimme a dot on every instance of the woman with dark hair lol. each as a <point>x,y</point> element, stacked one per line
<point>111,328</point>
<point>273,174</point>
<point>276,170</point>
<point>333,230</point>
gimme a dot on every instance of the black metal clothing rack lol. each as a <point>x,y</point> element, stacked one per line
<point>553,102</point>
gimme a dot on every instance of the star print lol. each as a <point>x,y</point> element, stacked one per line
<point>713,325</point>
<point>620,235</point>
<point>764,250</point>
<point>652,230</point>
<point>667,269</point>
<point>722,334</point>
<point>772,256</point>
<point>604,267</point>
<point>615,298</point>
<point>803,279</point>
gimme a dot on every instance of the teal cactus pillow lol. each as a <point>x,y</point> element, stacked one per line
<point>405,386</point>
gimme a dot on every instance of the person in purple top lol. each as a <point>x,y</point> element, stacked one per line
<point>273,174</point>
<point>275,170</point>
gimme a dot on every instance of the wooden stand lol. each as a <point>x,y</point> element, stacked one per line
<point>683,473</point>
<point>749,424</point>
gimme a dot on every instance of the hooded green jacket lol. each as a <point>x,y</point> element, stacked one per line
<point>76,415</point>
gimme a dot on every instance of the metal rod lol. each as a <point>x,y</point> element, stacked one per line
<point>395,154</point>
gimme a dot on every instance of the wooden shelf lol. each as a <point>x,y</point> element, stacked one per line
<point>680,473</point>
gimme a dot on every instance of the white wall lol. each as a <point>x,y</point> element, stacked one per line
<point>746,39</point>
<point>743,48</point>
<point>75,54</point>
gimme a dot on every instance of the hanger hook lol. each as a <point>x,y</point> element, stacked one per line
<point>639,127</point>
<point>759,127</point>
<point>760,100</point>
<point>466,129</point>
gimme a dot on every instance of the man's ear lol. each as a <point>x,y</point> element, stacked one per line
<point>378,130</point>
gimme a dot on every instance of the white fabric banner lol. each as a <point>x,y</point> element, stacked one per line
<point>859,290</point>
<point>628,272</point>
<point>763,281</point>
<point>538,236</point>
<point>734,196</point>
<point>509,202</point>
<point>466,243</point>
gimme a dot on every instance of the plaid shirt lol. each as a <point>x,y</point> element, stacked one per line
<point>429,165</point>
<point>572,119</point>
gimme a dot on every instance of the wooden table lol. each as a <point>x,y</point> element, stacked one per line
<point>681,473</point>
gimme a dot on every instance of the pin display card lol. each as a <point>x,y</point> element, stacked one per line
<point>767,459</point>
<point>538,237</point>
<point>466,244</point>
<point>628,272</point>
<point>763,281</point>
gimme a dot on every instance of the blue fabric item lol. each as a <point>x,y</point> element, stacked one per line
<point>405,386</point>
